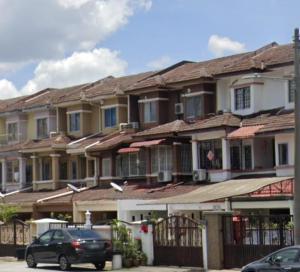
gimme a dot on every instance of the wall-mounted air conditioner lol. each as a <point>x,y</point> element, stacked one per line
<point>164,176</point>
<point>178,108</point>
<point>199,175</point>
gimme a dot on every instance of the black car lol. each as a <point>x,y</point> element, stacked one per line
<point>68,246</point>
<point>286,259</point>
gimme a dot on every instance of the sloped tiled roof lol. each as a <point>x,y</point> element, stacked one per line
<point>131,191</point>
<point>52,142</point>
<point>111,141</point>
<point>260,59</point>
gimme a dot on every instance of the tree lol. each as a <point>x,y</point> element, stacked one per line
<point>7,212</point>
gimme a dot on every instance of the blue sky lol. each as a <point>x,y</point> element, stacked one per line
<point>135,35</point>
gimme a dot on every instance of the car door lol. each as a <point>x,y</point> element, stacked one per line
<point>41,247</point>
<point>283,260</point>
<point>56,245</point>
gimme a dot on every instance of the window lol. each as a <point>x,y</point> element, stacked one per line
<point>110,117</point>
<point>9,171</point>
<point>131,164</point>
<point>106,167</point>
<point>150,112</point>
<point>161,159</point>
<point>58,236</point>
<point>45,169</point>
<point>63,170</point>
<point>91,164</point>
<point>235,157</point>
<point>45,238</point>
<point>74,170</point>
<point>242,98</point>
<point>248,156</point>
<point>74,119</point>
<point>286,256</point>
<point>12,130</point>
<point>212,149</point>
<point>194,106</point>
<point>42,128</point>
<point>283,154</point>
<point>186,155</point>
<point>292,88</point>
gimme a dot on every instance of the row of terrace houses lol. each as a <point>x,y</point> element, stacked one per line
<point>157,134</point>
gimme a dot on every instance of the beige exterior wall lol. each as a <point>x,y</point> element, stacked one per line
<point>95,119</point>
<point>31,126</point>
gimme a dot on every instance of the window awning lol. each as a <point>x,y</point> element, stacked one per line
<point>147,143</point>
<point>244,132</point>
<point>128,150</point>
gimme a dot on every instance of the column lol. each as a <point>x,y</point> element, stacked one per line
<point>4,174</point>
<point>195,155</point>
<point>55,167</point>
<point>226,154</point>
<point>176,161</point>
<point>97,169</point>
<point>35,169</point>
<point>22,172</point>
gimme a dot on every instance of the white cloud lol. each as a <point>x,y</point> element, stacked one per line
<point>80,67</point>
<point>7,89</point>
<point>160,63</point>
<point>35,30</point>
<point>220,46</point>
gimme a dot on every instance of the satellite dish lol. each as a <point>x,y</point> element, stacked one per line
<point>73,188</point>
<point>116,187</point>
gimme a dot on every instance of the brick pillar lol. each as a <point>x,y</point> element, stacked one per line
<point>215,238</point>
<point>55,170</point>
<point>176,156</point>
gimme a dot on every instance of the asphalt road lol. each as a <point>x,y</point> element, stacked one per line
<point>18,266</point>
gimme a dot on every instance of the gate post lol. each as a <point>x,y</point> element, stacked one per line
<point>147,244</point>
<point>215,245</point>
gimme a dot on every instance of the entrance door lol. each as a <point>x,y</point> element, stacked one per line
<point>178,241</point>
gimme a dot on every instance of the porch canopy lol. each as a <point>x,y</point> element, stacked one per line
<point>147,143</point>
<point>128,150</point>
<point>244,132</point>
<point>222,190</point>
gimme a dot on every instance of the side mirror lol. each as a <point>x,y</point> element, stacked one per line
<point>269,260</point>
<point>36,240</point>
<point>277,260</point>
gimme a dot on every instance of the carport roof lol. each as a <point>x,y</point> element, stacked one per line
<point>222,190</point>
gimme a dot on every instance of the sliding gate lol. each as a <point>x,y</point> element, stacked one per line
<point>249,238</point>
<point>178,241</point>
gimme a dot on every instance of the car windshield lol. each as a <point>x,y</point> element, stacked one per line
<point>84,234</point>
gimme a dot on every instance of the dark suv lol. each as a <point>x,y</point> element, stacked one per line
<point>68,246</point>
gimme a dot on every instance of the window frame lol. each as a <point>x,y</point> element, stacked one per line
<point>75,124</point>
<point>150,111</point>
<point>161,158</point>
<point>242,98</point>
<point>194,106</point>
<point>12,137</point>
<point>291,90</point>
<point>112,120</point>
<point>106,161</point>
<point>280,159</point>
<point>46,133</point>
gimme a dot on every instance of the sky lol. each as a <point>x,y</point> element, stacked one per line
<point>60,43</point>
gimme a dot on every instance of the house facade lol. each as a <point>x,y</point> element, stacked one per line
<point>191,125</point>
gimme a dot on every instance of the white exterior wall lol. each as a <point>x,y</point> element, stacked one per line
<point>288,138</point>
<point>272,93</point>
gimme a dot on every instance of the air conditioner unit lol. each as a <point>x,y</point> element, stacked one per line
<point>178,108</point>
<point>164,176</point>
<point>199,175</point>
<point>123,126</point>
<point>134,125</point>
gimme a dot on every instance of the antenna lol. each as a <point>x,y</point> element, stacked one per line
<point>73,188</point>
<point>116,187</point>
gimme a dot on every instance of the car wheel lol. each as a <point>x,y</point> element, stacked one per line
<point>100,266</point>
<point>64,264</point>
<point>30,261</point>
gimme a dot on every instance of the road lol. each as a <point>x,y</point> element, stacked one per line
<point>15,266</point>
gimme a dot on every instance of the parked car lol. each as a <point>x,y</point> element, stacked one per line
<point>286,259</point>
<point>68,246</point>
